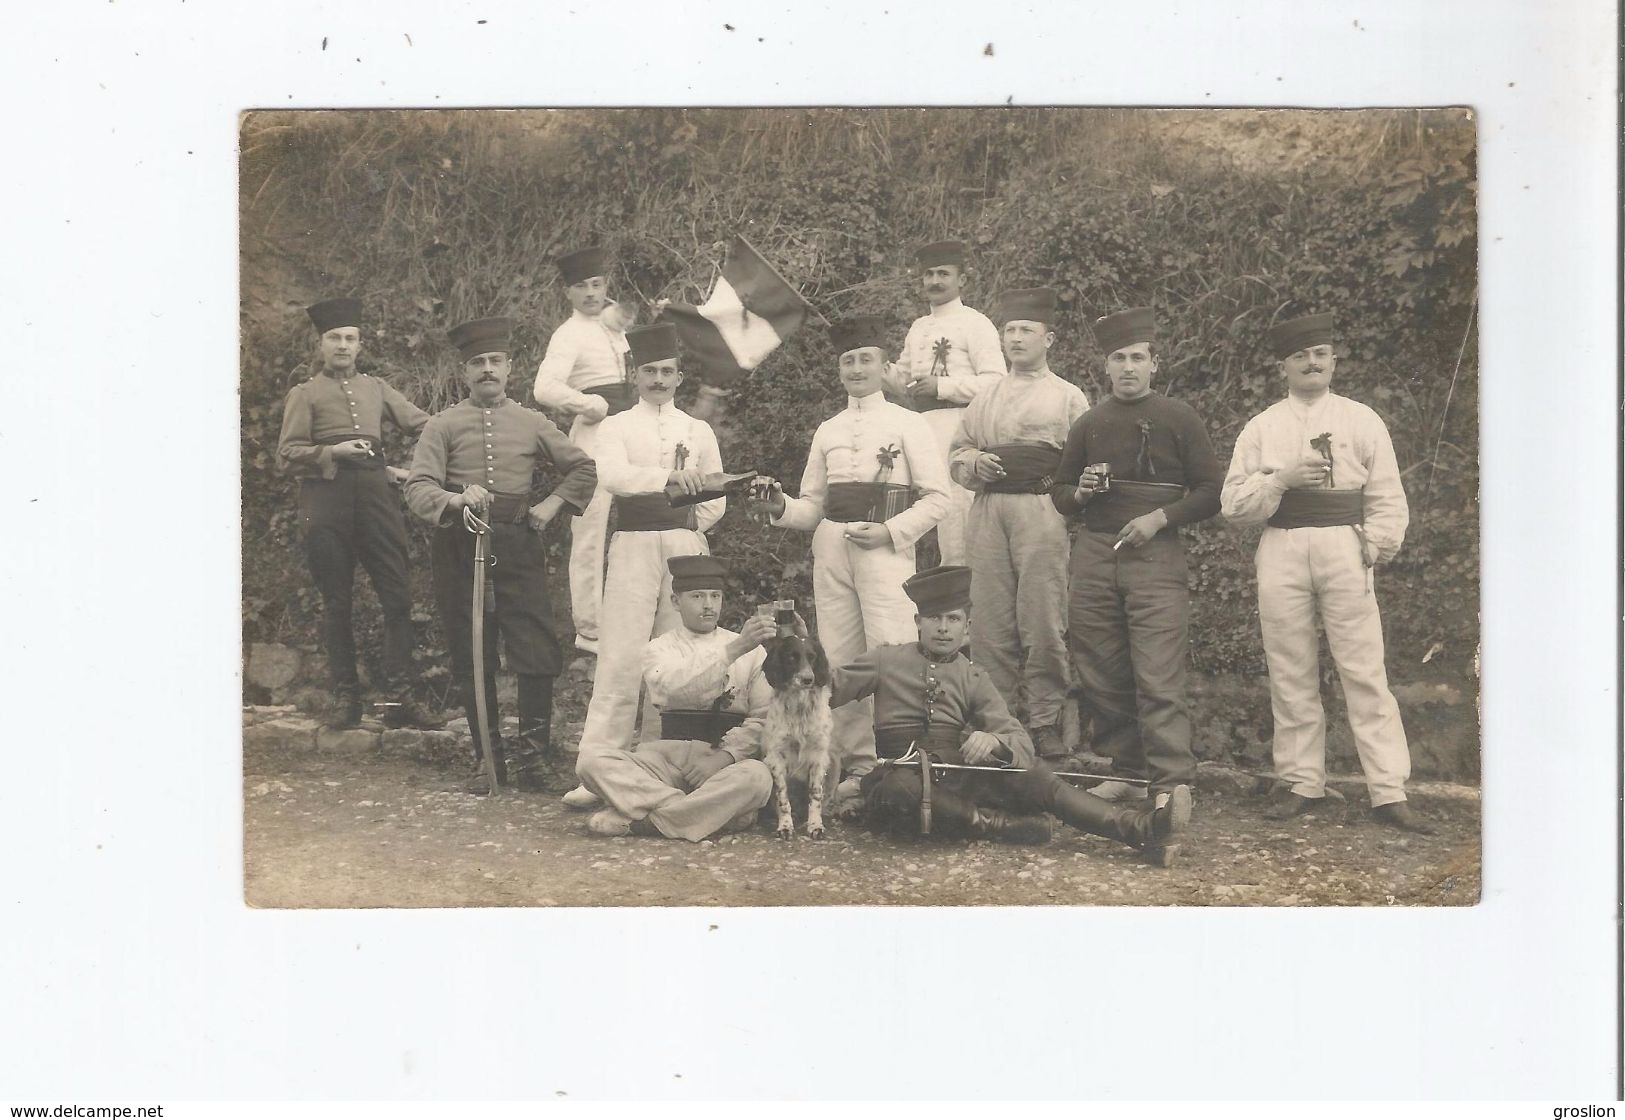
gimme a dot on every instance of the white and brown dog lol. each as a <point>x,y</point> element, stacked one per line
<point>796,737</point>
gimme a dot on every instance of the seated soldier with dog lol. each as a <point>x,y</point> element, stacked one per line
<point>931,702</point>
<point>704,774</point>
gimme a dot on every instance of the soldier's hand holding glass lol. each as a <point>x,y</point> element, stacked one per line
<point>1094,480</point>
<point>766,496</point>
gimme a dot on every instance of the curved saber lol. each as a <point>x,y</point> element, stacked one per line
<point>912,758</point>
<point>481,529</point>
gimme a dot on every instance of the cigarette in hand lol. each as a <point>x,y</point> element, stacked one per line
<point>1121,541</point>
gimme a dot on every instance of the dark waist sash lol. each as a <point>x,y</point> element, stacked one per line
<point>894,742</point>
<point>1127,499</point>
<point>620,397</point>
<point>707,726</point>
<point>1029,468</point>
<point>651,513</point>
<point>866,501</point>
<point>373,462</point>
<point>1302,509</point>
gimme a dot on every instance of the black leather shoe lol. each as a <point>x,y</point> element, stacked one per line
<point>1288,805</point>
<point>346,711</point>
<point>1397,814</point>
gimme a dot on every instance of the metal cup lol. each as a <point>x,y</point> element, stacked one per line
<point>1103,475</point>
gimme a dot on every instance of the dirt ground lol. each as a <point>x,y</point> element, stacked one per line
<point>326,830</point>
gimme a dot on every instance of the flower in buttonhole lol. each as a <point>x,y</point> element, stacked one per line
<point>1323,444</point>
<point>887,458</point>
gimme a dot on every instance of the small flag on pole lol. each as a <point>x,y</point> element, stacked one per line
<point>750,311</point>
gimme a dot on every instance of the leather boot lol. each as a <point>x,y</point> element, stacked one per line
<point>1142,825</point>
<point>346,711</point>
<point>1012,828</point>
<point>537,767</point>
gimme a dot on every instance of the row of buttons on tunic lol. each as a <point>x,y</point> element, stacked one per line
<point>490,469</point>
<point>355,421</point>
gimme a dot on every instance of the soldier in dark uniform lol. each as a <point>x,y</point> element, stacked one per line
<point>1128,621</point>
<point>482,455</point>
<point>348,507</point>
<point>930,696</point>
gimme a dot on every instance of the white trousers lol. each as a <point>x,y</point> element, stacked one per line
<point>944,424</point>
<point>1302,572</point>
<point>587,545</point>
<point>859,597</point>
<point>660,782</point>
<point>637,607</point>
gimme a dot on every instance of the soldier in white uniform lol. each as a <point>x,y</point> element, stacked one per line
<point>1318,470</point>
<point>949,356</point>
<point>1007,450</point>
<point>639,453</point>
<point>582,379</point>
<point>704,774</point>
<point>874,484</point>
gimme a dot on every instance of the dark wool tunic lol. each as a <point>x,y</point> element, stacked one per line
<point>1153,439</point>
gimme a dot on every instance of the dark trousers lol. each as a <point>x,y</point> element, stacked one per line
<point>357,516</point>
<point>518,606</point>
<point>892,795</point>
<point>1128,625</point>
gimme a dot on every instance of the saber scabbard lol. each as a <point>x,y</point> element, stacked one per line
<point>481,531</point>
<point>915,759</point>
<point>925,791</point>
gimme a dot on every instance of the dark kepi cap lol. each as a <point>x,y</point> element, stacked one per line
<point>482,336</point>
<point>332,313</point>
<point>583,263</point>
<point>1116,331</point>
<point>696,573</point>
<point>858,332</point>
<point>1035,304</point>
<point>939,590</point>
<point>1287,338</point>
<point>940,252</point>
<point>654,343</point>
